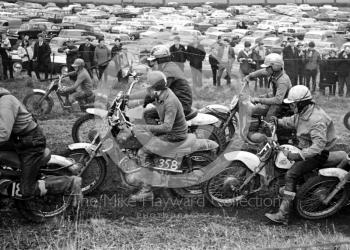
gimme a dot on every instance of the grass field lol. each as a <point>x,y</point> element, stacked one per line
<point>106,221</point>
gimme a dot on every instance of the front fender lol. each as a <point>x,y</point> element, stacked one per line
<point>202,119</point>
<point>247,158</point>
<point>98,112</point>
<point>39,91</point>
<point>60,161</point>
<point>333,172</point>
<point>85,146</point>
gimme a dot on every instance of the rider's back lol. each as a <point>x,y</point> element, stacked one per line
<point>85,81</point>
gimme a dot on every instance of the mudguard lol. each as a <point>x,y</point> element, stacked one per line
<point>39,91</point>
<point>202,119</point>
<point>333,172</point>
<point>204,145</point>
<point>98,112</point>
<point>247,158</point>
<point>60,161</point>
<point>83,145</point>
<point>217,108</point>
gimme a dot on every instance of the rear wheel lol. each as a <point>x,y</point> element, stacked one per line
<point>39,209</point>
<point>197,160</point>
<point>86,127</point>
<point>94,174</point>
<point>346,120</point>
<point>37,104</point>
<point>309,202</point>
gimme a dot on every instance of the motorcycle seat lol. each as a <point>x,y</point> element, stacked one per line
<point>192,114</point>
<point>180,149</point>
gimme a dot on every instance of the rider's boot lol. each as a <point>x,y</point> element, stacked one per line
<point>282,215</point>
<point>144,194</point>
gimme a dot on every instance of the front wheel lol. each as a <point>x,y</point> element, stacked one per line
<point>346,120</point>
<point>212,133</point>
<point>37,104</point>
<point>94,174</point>
<point>194,161</point>
<point>40,209</point>
<point>309,202</point>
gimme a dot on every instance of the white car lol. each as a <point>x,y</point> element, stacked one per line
<point>318,36</point>
<point>267,25</point>
<point>153,32</point>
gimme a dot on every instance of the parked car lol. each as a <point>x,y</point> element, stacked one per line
<point>296,32</point>
<point>75,34</point>
<point>10,24</point>
<point>132,32</point>
<point>343,28</point>
<point>153,32</point>
<point>202,27</point>
<point>273,44</point>
<point>33,29</point>
<point>347,36</point>
<point>92,29</point>
<point>318,36</point>
<point>187,36</point>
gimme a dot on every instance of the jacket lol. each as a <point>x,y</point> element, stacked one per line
<point>259,56</point>
<point>290,59</point>
<point>280,87</point>
<point>14,117</point>
<point>178,84</point>
<point>245,66</point>
<point>102,54</point>
<point>315,130</point>
<point>312,59</point>
<point>5,49</point>
<point>172,117</point>
<point>344,64</point>
<point>72,54</point>
<point>42,53</point>
<point>87,53</point>
<point>83,82</point>
<point>178,54</point>
<point>195,55</point>
<point>23,53</point>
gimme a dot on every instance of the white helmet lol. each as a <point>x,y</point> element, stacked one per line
<point>297,94</point>
<point>159,51</point>
<point>273,60</point>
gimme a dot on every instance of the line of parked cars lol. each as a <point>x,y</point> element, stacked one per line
<point>241,23</point>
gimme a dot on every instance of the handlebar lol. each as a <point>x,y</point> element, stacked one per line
<point>271,126</point>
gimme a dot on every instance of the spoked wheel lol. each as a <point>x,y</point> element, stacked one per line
<point>311,195</point>
<point>197,160</point>
<point>86,127</point>
<point>42,208</point>
<point>36,105</point>
<point>212,133</point>
<point>222,190</point>
<point>346,120</point>
<point>94,174</point>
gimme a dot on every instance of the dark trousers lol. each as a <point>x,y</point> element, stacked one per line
<point>30,149</point>
<point>214,70</point>
<point>196,77</point>
<point>302,167</point>
<point>293,76</point>
<point>28,65</point>
<point>301,77</point>
<point>101,70</point>
<point>311,74</point>
<point>44,66</point>
<point>7,66</point>
<point>344,81</point>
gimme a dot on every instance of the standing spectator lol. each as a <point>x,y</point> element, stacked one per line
<point>214,58</point>
<point>195,54</point>
<point>102,56</point>
<point>258,55</point>
<point>86,52</point>
<point>343,71</point>
<point>290,58</point>
<point>5,49</point>
<point>226,58</point>
<point>25,52</point>
<point>312,62</point>
<point>328,73</point>
<point>120,60</point>
<point>245,60</point>
<point>72,53</point>
<point>301,63</point>
<point>41,57</point>
<point>178,53</point>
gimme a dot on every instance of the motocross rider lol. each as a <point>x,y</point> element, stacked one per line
<point>20,132</point>
<point>171,131</point>
<point>316,135</point>
<point>82,87</point>
<point>160,59</point>
<point>271,104</point>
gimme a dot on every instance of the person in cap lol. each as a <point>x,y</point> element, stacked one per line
<point>86,52</point>
<point>259,54</point>
<point>271,104</point>
<point>171,130</point>
<point>290,56</point>
<point>312,63</point>
<point>316,135</point>
<point>328,72</point>
<point>42,57</point>
<point>82,88</point>
<point>178,53</point>
<point>245,60</point>
<point>72,53</point>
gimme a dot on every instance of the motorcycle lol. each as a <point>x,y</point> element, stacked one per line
<point>201,124</point>
<point>228,120</point>
<point>325,194</point>
<point>57,174</point>
<point>182,169</point>
<point>40,102</point>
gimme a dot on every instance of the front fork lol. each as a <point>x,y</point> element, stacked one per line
<point>340,185</point>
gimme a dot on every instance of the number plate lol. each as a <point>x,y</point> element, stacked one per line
<point>168,164</point>
<point>15,190</point>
